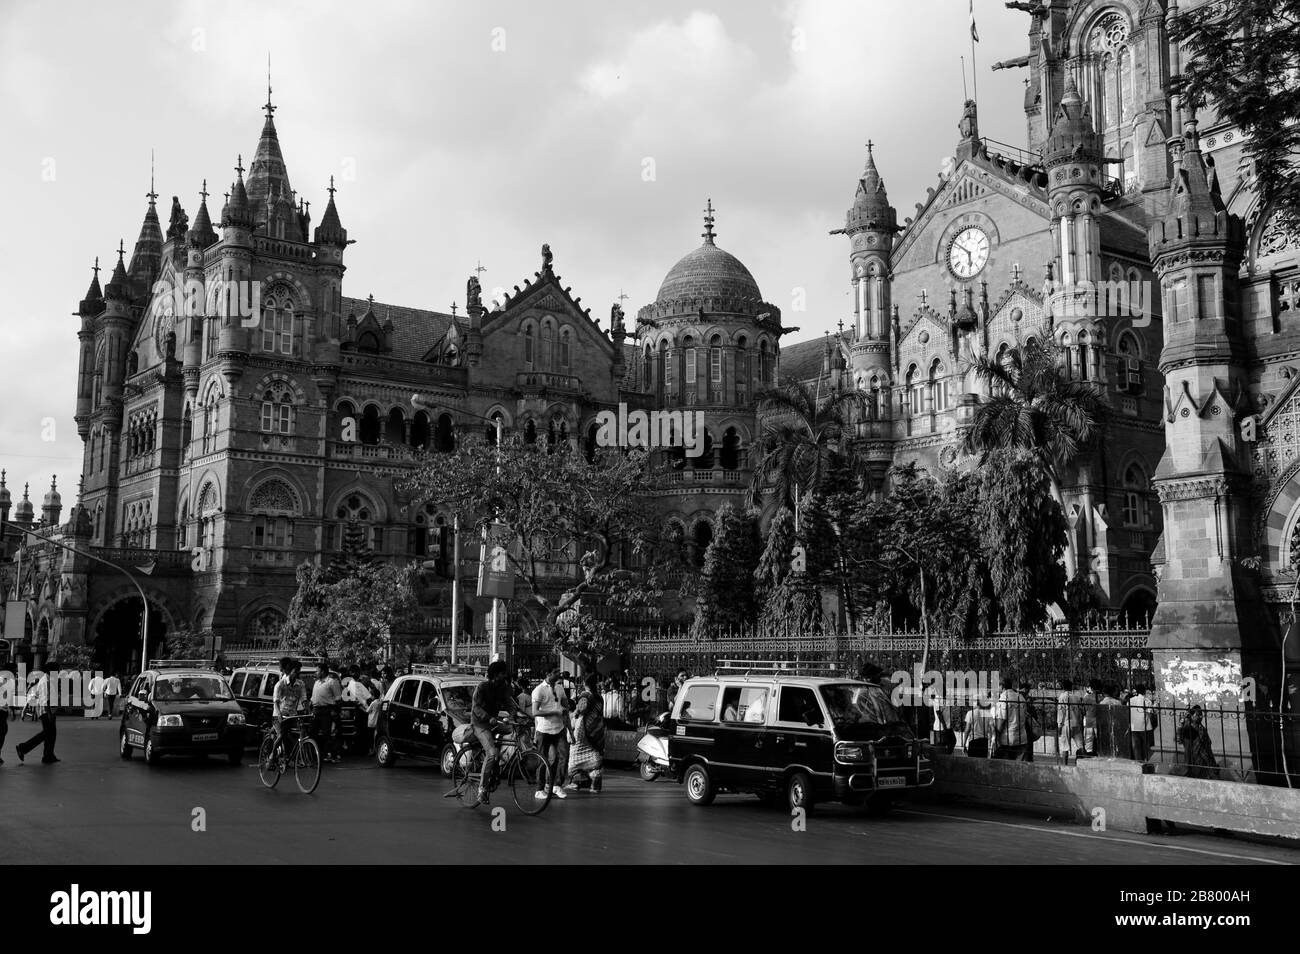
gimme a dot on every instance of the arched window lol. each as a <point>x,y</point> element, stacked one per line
<point>701,537</point>
<point>742,372</point>
<point>212,331</point>
<point>729,457</point>
<point>395,427</point>
<point>1113,90</point>
<point>183,531</point>
<point>548,343</point>
<point>210,419</point>
<point>370,425</point>
<point>420,430</point>
<point>530,346</point>
<point>1084,354</point>
<point>444,435</point>
<point>432,538</point>
<point>277,409</point>
<point>265,626</point>
<point>688,347</point>
<point>665,368</point>
<point>277,325</point>
<point>647,364</point>
<point>566,348</point>
<point>765,365</point>
<point>912,391</point>
<point>704,461</point>
<point>715,363</point>
<point>357,509</point>
<point>938,385</point>
<point>557,433</point>
<point>1136,488</point>
<point>530,432</point>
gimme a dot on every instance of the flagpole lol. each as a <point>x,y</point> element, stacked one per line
<point>974,69</point>
<point>964,95</point>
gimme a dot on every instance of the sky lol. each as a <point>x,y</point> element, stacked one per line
<point>466,133</point>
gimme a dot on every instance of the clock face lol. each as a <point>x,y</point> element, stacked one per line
<point>968,253</point>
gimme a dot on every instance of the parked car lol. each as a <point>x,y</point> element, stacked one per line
<point>181,707</point>
<point>254,686</point>
<point>421,710</point>
<point>792,739</point>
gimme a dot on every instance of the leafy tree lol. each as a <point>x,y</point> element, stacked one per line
<point>1241,58</point>
<point>727,585</point>
<point>1024,534</point>
<point>1082,604</point>
<point>1036,407</point>
<point>187,644</point>
<point>559,507</point>
<point>804,437</point>
<point>352,617</point>
<point>72,656</point>
<point>788,598</point>
<point>354,555</point>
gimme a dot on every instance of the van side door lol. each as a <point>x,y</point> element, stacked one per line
<point>742,725</point>
<point>695,723</point>
<point>793,741</point>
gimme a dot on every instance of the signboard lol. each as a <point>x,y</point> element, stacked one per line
<point>496,577</point>
<point>15,620</point>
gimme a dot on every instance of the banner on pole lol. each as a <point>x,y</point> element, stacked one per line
<point>496,577</point>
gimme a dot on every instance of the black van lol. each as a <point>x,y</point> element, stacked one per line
<point>254,686</point>
<point>792,739</point>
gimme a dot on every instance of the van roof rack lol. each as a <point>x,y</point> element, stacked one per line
<point>180,664</point>
<point>273,659</point>
<point>433,669</point>
<point>776,668</point>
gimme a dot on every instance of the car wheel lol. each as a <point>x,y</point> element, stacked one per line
<point>798,791</point>
<point>123,746</point>
<point>384,754</point>
<point>648,772</point>
<point>448,759</point>
<point>151,753</point>
<point>699,786</point>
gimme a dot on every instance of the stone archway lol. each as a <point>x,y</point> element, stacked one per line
<point>114,634</point>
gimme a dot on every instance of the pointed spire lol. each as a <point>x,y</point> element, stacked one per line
<point>239,210</point>
<point>268,174</point>
<point>331,230</point>
<point>117,284</point>
<point>202,234</point>
<point>93,293</point>
<point>146,259</point>
<point>871,208</point>
<point>1073,138</point>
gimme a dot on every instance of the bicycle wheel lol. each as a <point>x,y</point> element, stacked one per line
<point>306,765</point>
<point>465,773</point>
<point>268,762</point>
<point>529,774</point>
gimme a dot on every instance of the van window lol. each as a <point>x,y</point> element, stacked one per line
<point>428,696</point>
<point>237,682</point>
<point>744,704</point>
<point>268,684</point>
<point>406,692</point>
<point>795,701</point>
<point>700,704</point>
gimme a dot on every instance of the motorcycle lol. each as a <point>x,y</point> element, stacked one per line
<point>653,746</point>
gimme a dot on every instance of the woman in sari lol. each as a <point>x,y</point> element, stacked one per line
<point>588,752</point>
<point>1196,745</point>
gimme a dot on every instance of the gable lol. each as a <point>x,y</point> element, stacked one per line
<point>546,298</point>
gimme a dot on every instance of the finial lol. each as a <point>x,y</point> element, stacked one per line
<point>841,324</point>
<point>923,297</point>
<point>453,309</point>
<point>869,145</point>
<point>621,296</point>
<point>96,268</point>
<point>151,195</point>
<point>331,190</point>
<point>204,192</point>
<point>480,268</point>
<point>121,249</point>
<point>708,223</point>
<point>54,482</point>
<point>239,165</point>
<point>370,298</point>
<point>25,486</point>
<point>268,107</point>
<point>1015,271</point>
<point>226,196</point>
<point>2,477</point>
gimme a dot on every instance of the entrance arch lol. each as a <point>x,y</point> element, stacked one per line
<point>115,634</point>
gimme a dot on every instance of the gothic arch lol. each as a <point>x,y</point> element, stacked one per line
<point>302,298</point>
<point>276,492</point>
<point>288,380</point>
<point>250,617</point>
<point>173,616</point>
<point>378,506</point>
<point>208,481</point>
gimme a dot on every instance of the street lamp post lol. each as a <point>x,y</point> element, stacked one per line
<point>419,400</point>
<point>144,601</point>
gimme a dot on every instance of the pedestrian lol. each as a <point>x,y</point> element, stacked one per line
<point>39,698</point>
<point>588,753</point>
<point>1091,699</point>
<point>1201,762</point>
<point>326,694</point>
<point>372,723</point>
<point>979,729</point>
<point>675,687</point>
<point>1009,718</point>
<point>356,692</point>
<point>548,709</point>
<point>95,692</point>
<point>1142,723</point>
<point>1069,720</point>
<point>112,689</point>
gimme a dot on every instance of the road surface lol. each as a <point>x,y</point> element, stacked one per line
<point>95,808</point>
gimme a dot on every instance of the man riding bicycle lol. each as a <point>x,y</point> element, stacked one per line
<point>492,696</point>
<point>288,698</point>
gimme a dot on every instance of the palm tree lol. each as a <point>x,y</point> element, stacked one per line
<point>802,436</point>
<point>1034,406</point>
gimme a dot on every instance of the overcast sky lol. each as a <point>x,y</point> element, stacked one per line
<point>465,132</point>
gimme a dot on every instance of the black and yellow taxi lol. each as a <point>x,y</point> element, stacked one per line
<point>181,707</point>
<point>421,710</point>
<point>792,736</point>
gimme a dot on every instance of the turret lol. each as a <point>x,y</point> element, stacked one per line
<point>52,505</point>
<point>1073,156</point>
<point>25,514</point>
<point>197,239</point>
<point>115,328</point>
<point>6,501</point>
<point>146,259</point>
<point>89,308</point>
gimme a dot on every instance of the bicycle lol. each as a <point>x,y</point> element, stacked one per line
<point>272,761</point>
<point>519,763</point>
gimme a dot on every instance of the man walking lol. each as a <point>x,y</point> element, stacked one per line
<point>1009,721</point>
<point>95,692</point>
<point>1069,720</point>
<point>326,694</point>
<point>39,697</point>
<point>549,704</point>
<point>112,689</point>
<point>1141,724</point>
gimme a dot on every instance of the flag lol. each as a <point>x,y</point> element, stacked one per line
<point>974,33</point>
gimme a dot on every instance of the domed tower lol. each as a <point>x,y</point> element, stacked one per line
<point>52,505</point>
<point>871,224</point>
<point>25,513</point>
<point>6,499</point>
<point>709,343</point>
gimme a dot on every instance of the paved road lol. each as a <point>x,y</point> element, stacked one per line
<point>94,808</point>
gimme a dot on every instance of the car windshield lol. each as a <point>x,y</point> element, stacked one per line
<point>859,704</point>
<point>190,689</point>
<point>459,699</point>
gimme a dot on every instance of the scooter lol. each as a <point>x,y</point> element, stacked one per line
<point>653,747</point>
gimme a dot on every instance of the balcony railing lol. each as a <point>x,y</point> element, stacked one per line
<point>549,380</point>
<point>140,556</point>
<point>349,450</point>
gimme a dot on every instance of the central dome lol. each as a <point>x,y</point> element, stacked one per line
<point>709,272</point>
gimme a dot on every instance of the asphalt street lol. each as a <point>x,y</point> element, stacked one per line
<point>95,808</point>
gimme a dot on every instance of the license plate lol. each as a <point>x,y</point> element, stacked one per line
<point>203,737</point>
<point>891,781</point>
